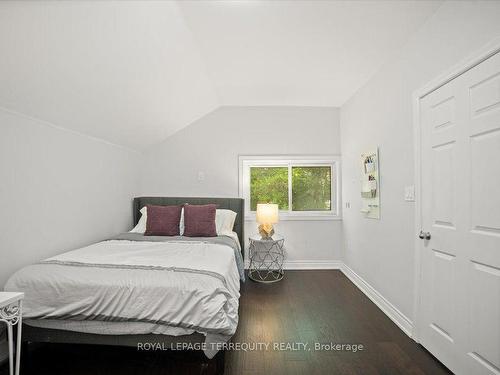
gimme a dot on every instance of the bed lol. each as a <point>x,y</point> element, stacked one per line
<point>175,292</point>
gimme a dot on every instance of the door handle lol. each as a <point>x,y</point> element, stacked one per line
<point>424,235</point>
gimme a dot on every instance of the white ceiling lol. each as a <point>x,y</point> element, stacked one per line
<point>127,72</point>
<point>304,53</point>
<point>133,73</point>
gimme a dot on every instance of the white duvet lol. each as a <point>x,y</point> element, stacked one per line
<point>191,285</point>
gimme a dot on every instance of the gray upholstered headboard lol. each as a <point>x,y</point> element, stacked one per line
<point>235,204</point>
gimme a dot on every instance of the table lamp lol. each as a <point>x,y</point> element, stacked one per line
<point>267,215</point>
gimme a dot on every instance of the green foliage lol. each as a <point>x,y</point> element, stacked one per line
<point>269,185</point>
<point>311,187</point>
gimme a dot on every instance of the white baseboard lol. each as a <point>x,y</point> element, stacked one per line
<point>312,265</point>
<point>309,265</point>
<point>401,320</point>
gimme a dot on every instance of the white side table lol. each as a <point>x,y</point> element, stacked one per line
<point>11,306</point>
<point>266,258</point>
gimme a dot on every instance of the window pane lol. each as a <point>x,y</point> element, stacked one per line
<point>269,185</point>
<point>311,188</point>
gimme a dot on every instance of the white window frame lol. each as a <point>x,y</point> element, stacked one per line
<point>248,161</point>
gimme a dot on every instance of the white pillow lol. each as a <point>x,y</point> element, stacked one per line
<point>224,222</point>
<point>181,223</point>
<point>141,225</point>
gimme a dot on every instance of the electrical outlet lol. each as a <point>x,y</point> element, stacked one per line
<point>201,176</point>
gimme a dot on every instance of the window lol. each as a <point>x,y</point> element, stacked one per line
<point>312,188</point>
<point>303,188</point>
<point>269,185</point>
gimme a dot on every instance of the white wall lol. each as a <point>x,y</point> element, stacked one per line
<point>212,146</point>
<point>381,251</point>
<point>58,190</point>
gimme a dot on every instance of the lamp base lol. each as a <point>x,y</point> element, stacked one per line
<point>266,231</point>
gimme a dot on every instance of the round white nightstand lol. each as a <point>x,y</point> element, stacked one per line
<point>266,258</point>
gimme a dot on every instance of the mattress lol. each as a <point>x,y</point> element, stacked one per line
<point>109,328</point>
<point>134,284</point>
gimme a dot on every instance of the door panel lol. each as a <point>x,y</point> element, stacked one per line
<point>485,161</point>
<point>443,272</point>
<point>441,204</point>
<point>485,312</point>
<point>484,95</point>
<point>459,315</point>
<point>443,114</point>
<point>482,252</point>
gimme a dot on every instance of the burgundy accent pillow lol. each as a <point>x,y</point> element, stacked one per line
<point>163,220</point>
<point>199,221</point>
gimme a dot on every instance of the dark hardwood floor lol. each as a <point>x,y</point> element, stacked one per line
<point>306,306</point>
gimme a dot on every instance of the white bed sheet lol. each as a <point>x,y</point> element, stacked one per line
<point>172,288</point>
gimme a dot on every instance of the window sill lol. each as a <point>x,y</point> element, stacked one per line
<point>311,217</point>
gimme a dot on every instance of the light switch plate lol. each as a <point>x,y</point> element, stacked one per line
<point>410,193</point>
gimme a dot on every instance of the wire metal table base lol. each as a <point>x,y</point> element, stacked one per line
<point>266,260</point>
<point>11,315</point>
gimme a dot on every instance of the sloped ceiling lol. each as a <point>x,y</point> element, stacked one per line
<point>126,72</point>
<point>133,73</point>
<point>304,53</point>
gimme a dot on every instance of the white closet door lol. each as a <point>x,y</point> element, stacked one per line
<point>442,208</point>
<point>482,208</point>
<point>460,281</point>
